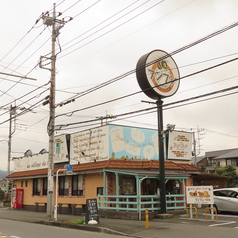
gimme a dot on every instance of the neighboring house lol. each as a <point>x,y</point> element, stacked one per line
<point>216,159</point>
<point>3,185</point>
<point>221,159</point>
<point>217,181</point>
<point>200,162</point>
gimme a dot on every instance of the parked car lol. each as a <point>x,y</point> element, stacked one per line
<point>226,199</point>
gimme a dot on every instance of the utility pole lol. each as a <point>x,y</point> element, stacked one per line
<point>56,26</point>
<point>105,117</point>
<point>12,111</point>
<point>51,124</point>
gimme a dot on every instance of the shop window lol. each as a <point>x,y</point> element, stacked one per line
<point>149,186</point>
<point>77,185</point>
<point>36,186</point>
<point>64,186</point>
<point>45,186</point>
<point>99,191</point>
<point>129,186</point>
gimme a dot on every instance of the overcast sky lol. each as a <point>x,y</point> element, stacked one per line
<point>104,41</point>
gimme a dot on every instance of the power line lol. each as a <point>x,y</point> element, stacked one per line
<point>28,72</point>
<point>168,105</point>
<point>99,25</point>
<point>150,63</point>
<point>21,39</point>
<point>71,6</point>
<point>86,9</point>
<point>108,31</point>
<point>27,94</point>
<point>132,94</point>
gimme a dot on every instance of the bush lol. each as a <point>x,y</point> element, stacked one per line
<point>76,221</point>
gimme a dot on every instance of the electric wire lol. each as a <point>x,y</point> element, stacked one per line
<point>132,94</point>
<point>99,25</point>
<point>108,31</point>
<point>27,94</point>
<point>71,6</point>
<point>169,105</point>
<point>26,47</point>
<point>21,39</point>
<point>24,111</point>
<point>150,63</point>
<point>17,82</point>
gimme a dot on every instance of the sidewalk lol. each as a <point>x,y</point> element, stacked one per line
<point>163,228</point>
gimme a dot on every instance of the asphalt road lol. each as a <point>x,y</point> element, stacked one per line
<point>17,229</point>
<point>22,224</point>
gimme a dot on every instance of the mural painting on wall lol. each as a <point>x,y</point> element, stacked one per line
<point>133,143</point>
<point>60,149</point>
<point>113,142</point>
<point>125,143</point>
<point>89,145</point>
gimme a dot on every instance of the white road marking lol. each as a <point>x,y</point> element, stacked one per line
<point>222,224</point>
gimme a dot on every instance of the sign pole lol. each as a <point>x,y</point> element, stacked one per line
<point>161,157</point>
<point>158,77</point>
<point>57,192</point>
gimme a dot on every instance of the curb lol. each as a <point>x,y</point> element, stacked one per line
<point>82,227</point>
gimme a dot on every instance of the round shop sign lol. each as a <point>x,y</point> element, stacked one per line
<point>157,74</point>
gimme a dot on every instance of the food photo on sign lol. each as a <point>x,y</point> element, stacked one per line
<point>199,194</point>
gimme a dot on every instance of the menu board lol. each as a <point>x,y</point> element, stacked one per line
<point>91,210</point>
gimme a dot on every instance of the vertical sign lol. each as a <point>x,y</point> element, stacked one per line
<point>180,145</point>
<point>91,210</point>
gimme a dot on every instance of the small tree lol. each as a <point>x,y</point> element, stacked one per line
<point>228,171</point>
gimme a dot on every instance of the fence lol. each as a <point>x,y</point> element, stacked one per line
<point>140,203</point>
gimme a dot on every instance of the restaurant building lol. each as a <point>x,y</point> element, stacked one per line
<point>117,165</point>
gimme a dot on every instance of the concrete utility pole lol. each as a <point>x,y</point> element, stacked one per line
<point>56,26</point>
<point>12,111</point>
<point>51,125</point>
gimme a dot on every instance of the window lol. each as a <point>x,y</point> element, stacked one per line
<point>221,193</point>
<point>77,185</point>
<point>99,191</point>
<point>22,183</point>
<point>36,186</point>
<point>26,183</point>
<point>64,186</point>
<point>129,186</point>
<point>232,162</point>
<point>45,186</point>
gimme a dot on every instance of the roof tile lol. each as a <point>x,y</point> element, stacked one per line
<point>110,164</point>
